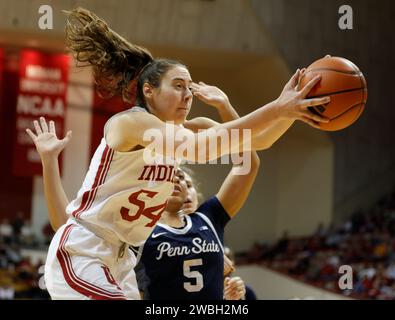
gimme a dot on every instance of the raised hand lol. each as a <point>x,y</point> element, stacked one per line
<point>45,139</point>
<point>294,104</point>
<point>210,95</point>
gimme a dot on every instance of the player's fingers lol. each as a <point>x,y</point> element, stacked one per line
<point>37,127</point>
<point>67,136</point>
<point>194,86</point>
<point>316,102</point>
<point>31,134</point>
<point>202,83</point>
<point>293,82</point>
<point>52,127</point>
<point>310,85</point>
<point>44,125</point>
<point>315,117</point>
<point>198,94</point>
<point>310,122</point>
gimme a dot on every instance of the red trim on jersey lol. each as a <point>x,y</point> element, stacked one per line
<point>86,195</point>
<point>76,283</point>
<point>102,170</point>
<point>102,176</point>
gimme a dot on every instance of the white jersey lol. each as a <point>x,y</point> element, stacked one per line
<point>123,196</point>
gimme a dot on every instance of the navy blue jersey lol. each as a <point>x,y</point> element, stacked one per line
<point>185,263</point>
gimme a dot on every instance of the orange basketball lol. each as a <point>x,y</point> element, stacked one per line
<point>345,84</point>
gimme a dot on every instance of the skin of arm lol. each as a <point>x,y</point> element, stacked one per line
<point>127,131</point>
<point>55,195</point>
<point>49,147</point>
<point>236,187</point>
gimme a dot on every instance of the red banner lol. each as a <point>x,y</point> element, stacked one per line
<point>43,80</point>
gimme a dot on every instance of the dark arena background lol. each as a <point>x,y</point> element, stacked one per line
<point>319,223</point>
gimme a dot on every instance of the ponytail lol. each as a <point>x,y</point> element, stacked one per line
<point>115,61</point>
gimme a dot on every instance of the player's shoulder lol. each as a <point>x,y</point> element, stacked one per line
<point>211,204</point>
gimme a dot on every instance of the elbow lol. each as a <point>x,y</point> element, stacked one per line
<point>255,162</point>
<point>266,146</point>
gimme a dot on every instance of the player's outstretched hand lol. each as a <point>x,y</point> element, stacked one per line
<point>294,104</point>
<point>45,139</point>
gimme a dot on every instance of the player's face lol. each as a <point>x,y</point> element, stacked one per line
<point>191,202</point>
<point>173,99</point>
<point>179,195</point>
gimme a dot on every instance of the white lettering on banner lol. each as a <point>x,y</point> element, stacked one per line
<point>34,71</point>
<point>36,105</point>
<point>44,87</point>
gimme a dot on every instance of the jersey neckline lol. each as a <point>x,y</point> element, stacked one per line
<point>183,230</point>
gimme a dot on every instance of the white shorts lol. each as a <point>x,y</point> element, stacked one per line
<point>80,265</point>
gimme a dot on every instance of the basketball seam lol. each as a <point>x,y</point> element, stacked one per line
<point>337,92</point>
<point>334,70</point>
<point>353,106</point>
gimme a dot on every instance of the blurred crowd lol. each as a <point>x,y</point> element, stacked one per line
<point>20,278</point>
<point>366,242</point>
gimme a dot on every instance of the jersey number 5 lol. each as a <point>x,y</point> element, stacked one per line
<point>188,286</point>
<point>142,210</point>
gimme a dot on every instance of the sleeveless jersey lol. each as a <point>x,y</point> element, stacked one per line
<point>185,263</point>
<point>123,196</point>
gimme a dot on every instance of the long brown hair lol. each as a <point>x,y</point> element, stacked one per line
<point>115,61</point>
<point>117,64</point>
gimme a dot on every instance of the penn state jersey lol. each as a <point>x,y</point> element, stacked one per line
<point>124,193</point>
<point>185,263</point>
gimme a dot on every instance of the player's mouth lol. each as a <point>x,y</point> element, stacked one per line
<point>183,109</point>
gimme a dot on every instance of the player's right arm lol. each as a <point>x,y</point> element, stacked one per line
<point>49,147</point>
<point>129,130</point>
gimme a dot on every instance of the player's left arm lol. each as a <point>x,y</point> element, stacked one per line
<point>49,148</point>
<point>237,185</point>
<point>215,97</point>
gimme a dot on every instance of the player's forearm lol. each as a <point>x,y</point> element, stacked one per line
<point>270,135</point>
<point>266,138</point>
<point>55,196</point>
<point>228,113</point>
<point>244,129</point>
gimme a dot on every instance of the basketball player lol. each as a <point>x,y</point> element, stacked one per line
<point>123,195</point>
<point>183,258</point>
<point>205,227</point>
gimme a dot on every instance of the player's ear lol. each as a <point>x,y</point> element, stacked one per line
<point>147,90</point>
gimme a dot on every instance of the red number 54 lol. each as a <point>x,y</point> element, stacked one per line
<point>148,212</point>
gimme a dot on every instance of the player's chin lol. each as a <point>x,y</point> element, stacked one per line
<point>188,208</point>
<point>181,115</point>
<point>175,200</point>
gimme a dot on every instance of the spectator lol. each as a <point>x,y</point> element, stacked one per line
<point>48,233</point>
<point>27,237</point>
<point>6,232</point>
<point>17,224</point>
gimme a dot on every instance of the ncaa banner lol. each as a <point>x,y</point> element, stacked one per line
<point>43,80</point>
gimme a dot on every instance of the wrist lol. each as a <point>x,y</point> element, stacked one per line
<point>49,159</point>
<point>224,105</point>
<point>278,109</point>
